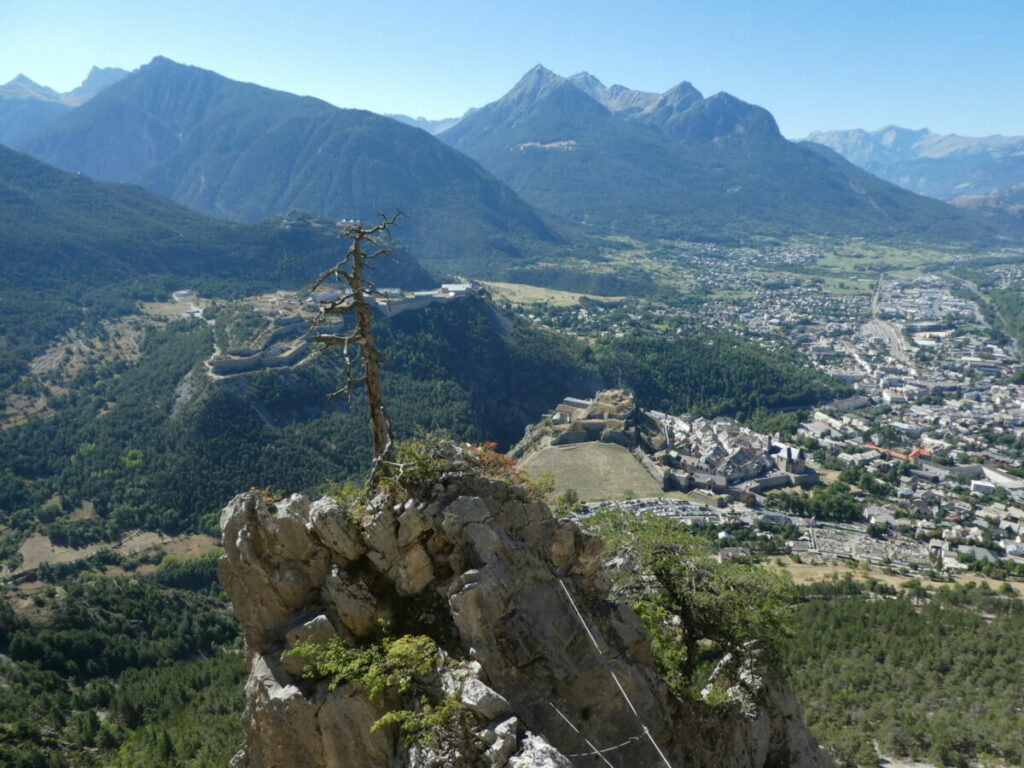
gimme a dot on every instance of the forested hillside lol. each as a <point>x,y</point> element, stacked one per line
<point>119,440</point>
<point>124,671</point>
<point>76,251</point>
<point>126,440</point>
<point>938,678</point>
<point>240,151</point>
<point>63,230</point>
<point>711,373</point>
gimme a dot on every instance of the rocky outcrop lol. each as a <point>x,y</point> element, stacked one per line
<point>548,668</point>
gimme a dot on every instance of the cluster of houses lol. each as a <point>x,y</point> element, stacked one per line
<point>949,484</point>
<point>935,407</point>
<point>718,459</point>
<point>721,456</point>
<point>942,514</point>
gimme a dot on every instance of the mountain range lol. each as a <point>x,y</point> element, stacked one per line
<point>22,87</point>
<point>430,126</point>
<point>27,107</point>
<point>682,165</point>
<point>968,171</point>
<point>502,192</point>
<point>59,229</point>
<point>240,151</point>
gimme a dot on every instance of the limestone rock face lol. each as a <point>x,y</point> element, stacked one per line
<point>548,668</point>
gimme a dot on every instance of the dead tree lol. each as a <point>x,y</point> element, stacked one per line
<point>362,359</point>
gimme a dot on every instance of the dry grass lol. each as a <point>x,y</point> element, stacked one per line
<point>18,408</point>
<point>38,549</point>
<point>186,545</point>
<point>117,570</point>
<point>828,476</point>
<point>171,310</point>
<point>521,294</point>
<point>83,512</point>
<point>596,471</point>
<point>193,545</point>
<point>903,762</point>
<point>280,301</point>
<point>22,599</point>
<point>809,573</point>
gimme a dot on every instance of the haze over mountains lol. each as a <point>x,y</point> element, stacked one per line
<point>969,171</point>
<point>682,165</point>
<point>99,78</point>
<point>27,107</point>
<point>430,126</point>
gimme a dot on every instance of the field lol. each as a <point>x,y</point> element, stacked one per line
<point>172,310</point>
<point>854,267</point>
<point>844,286</point>
<point>862,256</point>
<point>26,600</point>
<point>596,471</point>
<point>521,294</point>
<point>38,549</point>
<point>808,573</point>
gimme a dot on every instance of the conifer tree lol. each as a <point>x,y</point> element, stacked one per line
<point>362,359</point>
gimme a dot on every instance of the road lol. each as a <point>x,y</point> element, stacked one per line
<point>894,339</point>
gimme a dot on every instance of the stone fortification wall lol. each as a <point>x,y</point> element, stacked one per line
<point>228,366</point>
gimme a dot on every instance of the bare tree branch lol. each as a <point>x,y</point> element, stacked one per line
<point>357,301</point>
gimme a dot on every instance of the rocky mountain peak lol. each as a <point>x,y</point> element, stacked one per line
<point>23,87</point>
<point>540,661</point>
<point>163,61</point>
<point>535,84</point>
<point>97,80</point>
<point>589,84</point>
<point>541,107</point>
<point>679,97</point>
<point>722,115</point>
<point>617,98</point>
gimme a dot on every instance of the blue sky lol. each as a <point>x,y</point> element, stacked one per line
<point>816,64</point>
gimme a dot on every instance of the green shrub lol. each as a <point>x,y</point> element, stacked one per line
<point>390,665</point>
<point>694,607</point>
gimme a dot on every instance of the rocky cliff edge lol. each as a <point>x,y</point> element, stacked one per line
<point>550,671</point>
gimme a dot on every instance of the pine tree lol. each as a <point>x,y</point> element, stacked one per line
<point>359,347</point>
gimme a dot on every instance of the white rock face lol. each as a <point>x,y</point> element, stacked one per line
<point>478,566</point>
<point>535,752</point>
<point>482,700</point>
<point>501,741</point>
